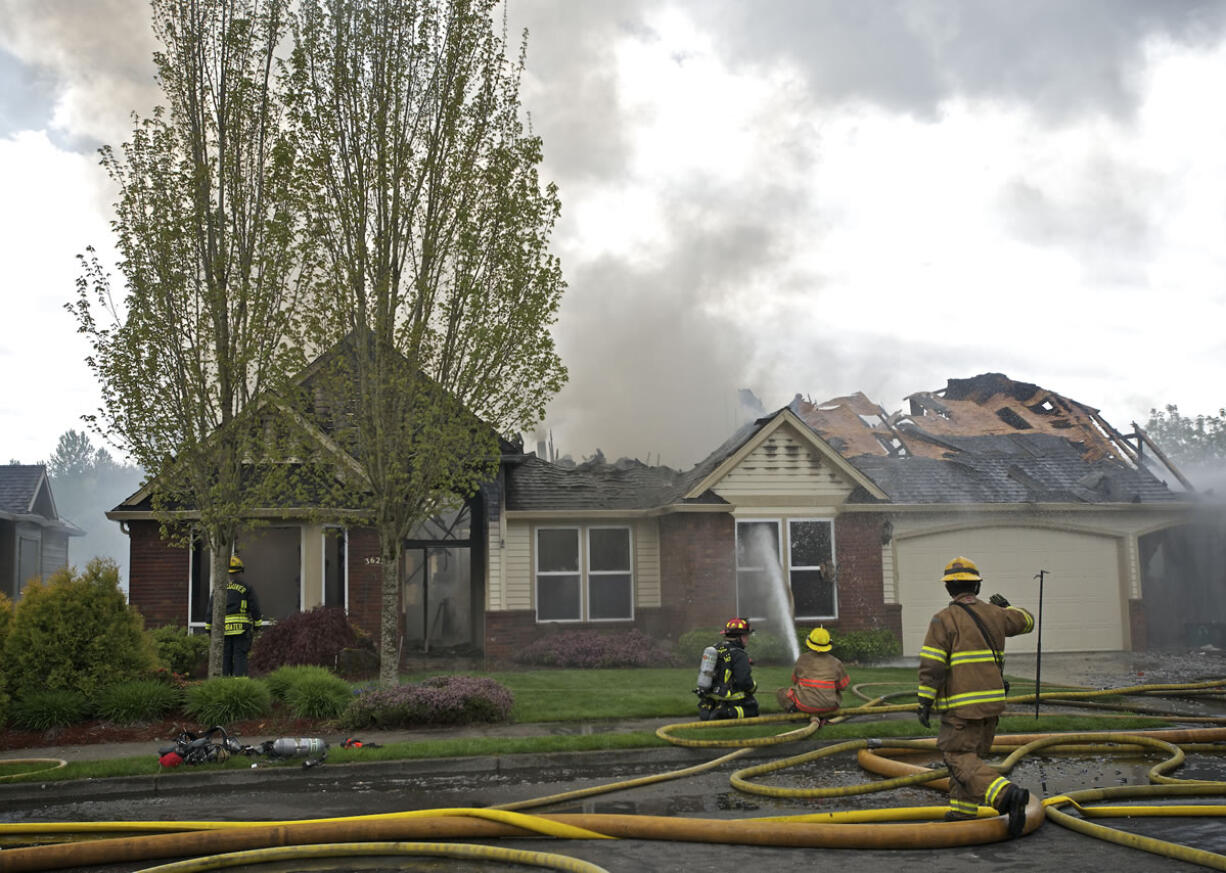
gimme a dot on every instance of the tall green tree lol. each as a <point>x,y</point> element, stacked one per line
<point>435,230</point>
<point>209,234</point>
<point>1192,440</point>
<point>86,482</point>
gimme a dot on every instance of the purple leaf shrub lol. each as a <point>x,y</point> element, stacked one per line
<point>439,700</point>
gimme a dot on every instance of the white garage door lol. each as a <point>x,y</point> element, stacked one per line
<point>1083,600</point>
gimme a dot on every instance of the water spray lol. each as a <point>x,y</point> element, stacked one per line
<point>765,552</point>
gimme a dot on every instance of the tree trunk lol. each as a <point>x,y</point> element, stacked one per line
<point>389,624</point>
<point>219,578</point>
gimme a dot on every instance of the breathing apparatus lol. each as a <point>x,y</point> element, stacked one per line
<point>215,745</point>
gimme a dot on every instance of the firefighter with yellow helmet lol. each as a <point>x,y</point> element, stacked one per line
<point>818,679</point>
<point>725,680</point>
<point>961,676</point>
<point>242,618</point>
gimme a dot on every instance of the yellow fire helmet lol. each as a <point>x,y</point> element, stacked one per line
<point>818,640</point>
<point>236,564</point>
<point>961,569</point>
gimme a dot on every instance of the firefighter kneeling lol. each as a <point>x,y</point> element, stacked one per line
<point>725,683</point>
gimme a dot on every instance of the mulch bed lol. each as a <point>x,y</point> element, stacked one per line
<point>91,732</point>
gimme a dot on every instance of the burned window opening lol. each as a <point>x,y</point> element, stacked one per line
<point>1011,418</point>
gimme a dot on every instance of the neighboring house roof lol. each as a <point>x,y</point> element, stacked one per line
<point>25,495</point>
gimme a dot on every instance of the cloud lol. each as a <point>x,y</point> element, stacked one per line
<point>97,59</point>
<point>1062,59</point>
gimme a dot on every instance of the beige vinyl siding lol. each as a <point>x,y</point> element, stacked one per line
<point>646,541</point>
<point>495,566</point>
<point>889,577</point>
<point>784,465</point>
<point>312,565</point>
<point>518,559</point>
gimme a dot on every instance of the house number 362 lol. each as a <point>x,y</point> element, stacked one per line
<point>374,559</point>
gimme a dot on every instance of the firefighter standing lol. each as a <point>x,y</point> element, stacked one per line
<point>242,618</point>
<point>818,679</point>
<point>732,689</point>
<point>961,675</point>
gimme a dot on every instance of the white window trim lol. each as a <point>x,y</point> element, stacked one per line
<point>587,581</point>
<point>537,573</point>
<point>779,544</point>
<point>833,551</point>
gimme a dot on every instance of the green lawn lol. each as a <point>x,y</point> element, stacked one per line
<point>544,696</point>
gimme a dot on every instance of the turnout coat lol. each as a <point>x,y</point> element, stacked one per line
<point>958,671</point>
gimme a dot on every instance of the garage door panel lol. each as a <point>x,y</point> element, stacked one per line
<point>1083,602</point>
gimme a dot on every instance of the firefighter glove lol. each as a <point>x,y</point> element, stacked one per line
<point>999,600</point>
<point>924,713</point>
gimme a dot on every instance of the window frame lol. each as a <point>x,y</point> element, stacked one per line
<point>537,573</point>
<point>833,562</point>
<point>736,546</point>
<point>629,571</point>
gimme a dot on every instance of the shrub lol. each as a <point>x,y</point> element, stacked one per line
<point>180,651</point>
<point>319,695</point>
<point>282,679</point>
<point>76,632</point>
<point>6,620</point>
<point>763,646</point>
<point>863,646</point>
<point>439,700</point>
<point>228,699</point>
<point>316,636</point>
<point>137,701</point>
<point>586,648</point>
<point>48,708</point>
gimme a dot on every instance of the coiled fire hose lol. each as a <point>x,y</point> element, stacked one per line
<point>898,828</point>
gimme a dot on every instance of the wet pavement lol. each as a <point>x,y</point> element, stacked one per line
<point>354,789</point>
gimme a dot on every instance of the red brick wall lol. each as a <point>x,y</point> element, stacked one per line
<point>507,632</point>
<point>857,539</point>
<point>157,576</point>
<point>697,569</point>
<point>365,581</point>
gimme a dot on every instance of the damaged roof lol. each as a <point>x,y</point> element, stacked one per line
<point>986,439</point>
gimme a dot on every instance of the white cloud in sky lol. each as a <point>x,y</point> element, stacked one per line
<point>53,212</point>
<point>813,197</point>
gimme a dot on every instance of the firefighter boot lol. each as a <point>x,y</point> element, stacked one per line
<point>1013,804</point>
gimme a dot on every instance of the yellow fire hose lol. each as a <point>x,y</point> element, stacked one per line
<point>351,850</point>
<point>883,828</point>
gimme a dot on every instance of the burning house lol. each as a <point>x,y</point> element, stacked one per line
<point>841,512</point>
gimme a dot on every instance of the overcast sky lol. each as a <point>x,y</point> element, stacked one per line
<point>790,197</point>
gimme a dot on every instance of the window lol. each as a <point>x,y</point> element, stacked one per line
<point>557,575</point>
<point>800,569</point>
<point>602,591</point>
<point>609,581</point>
<point>758,572</point>
<point>811,568</point>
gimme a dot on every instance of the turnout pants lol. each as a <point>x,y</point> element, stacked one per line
<point>964,743</point>
<point>234,654</point>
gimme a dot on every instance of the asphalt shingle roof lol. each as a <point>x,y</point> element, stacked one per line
<point>1015,468</point>
<point>18,483</point>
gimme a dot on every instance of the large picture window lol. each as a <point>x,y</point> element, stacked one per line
<point>794,559</point>
<point>603,590</point>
